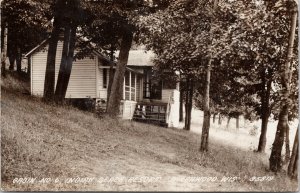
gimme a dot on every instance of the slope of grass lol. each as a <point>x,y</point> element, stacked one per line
<point>48,141</point>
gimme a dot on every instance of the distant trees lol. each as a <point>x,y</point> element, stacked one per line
<point>257,37</point>
<point>247,53</point>
<point>264,69</point>
<point>26,23</point>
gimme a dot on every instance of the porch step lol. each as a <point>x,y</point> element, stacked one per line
<point>148,112</point>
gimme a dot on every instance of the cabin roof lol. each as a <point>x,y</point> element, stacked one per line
<point>137,58</point>
<point>43,44</point>
<point>140,58</point>
<point>36,48</point>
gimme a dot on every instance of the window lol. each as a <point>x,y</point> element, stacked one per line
<point>104,78</point>
<point>169,84</point>
<point>152,86</point>
<point>156,89</point>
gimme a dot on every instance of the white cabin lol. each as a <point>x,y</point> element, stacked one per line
<point>144,99</point>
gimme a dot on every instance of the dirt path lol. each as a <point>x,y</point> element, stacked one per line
<point>133,172</point>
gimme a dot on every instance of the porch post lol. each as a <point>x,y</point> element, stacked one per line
<point>124,89</point>
<point>130,85</point>
<point>141,88</point>
<point>135,87</point>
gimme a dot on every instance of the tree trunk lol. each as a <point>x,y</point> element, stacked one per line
<point>206,108</point>
<point>188,104</point>
<point>265,101</point>
<point>293,165</point>
<point>287,144</point>
<point>181,103</point>
<point>190,107</point>
<point>263,136</point>
<point>63,63</point>
<point>66,63</point>
<point>4,52</point>
<point>12,60</point>
<point>237,122</point>
<point>214,117</point>
<point>19,60</point>
<point>117,85</point>
<point>275,158</point>
<point>50,66</point>
<point>228,121</point>
<point>111,74</point>
<point>220,119</point>
<point>12,56</point>
<point>206,118</point>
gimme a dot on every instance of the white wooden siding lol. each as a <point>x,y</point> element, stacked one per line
<point>82,82</point>
<point>165,94</point>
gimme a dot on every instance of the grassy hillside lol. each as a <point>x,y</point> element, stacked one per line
<point>47,141</point>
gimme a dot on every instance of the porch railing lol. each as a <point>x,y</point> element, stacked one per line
<point>151,113</point>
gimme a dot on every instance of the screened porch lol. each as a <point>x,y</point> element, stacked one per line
<point>132,86</point>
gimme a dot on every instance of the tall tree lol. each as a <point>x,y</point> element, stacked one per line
<point>71,18</point>
<point>111,72</point>
<point>66,63</point>
<point>117,85</point>
<point>286,76</point>
<point>206,97</point>
<point>49,83</point>
<point>104,29</point>
<point>265,110</point>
